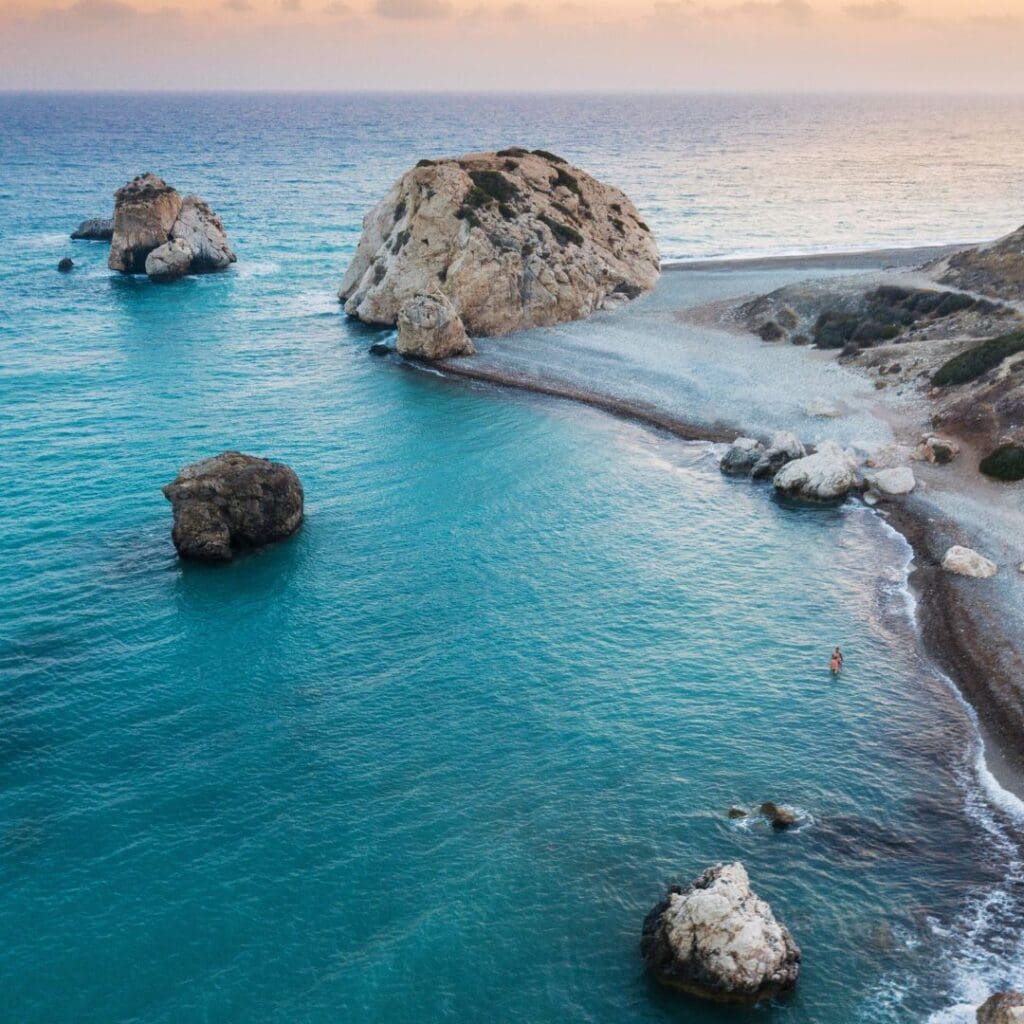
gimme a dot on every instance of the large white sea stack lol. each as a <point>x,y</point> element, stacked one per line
<point>512,239</point>
<point>718,940</point>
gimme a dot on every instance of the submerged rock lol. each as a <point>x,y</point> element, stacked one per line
<point>429,328</point>
<point>780,817</point>
<point>149,215</point>
<point>66,264</point>
<point>743,454</point>
<point>1002,1008</point>
<point>96,229</point>
<point>737,812</point>
<point>512,239</point>
<point>231,502</point>
<point>716,939</point>
<point>380,348</point>
<point>967,562</point>
<point>828,474</point>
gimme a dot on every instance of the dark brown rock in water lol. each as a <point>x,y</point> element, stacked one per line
<point>1002,1008</point>
<point>780,817</point>
<point>232,502</point>
<point>737,812</point>
<point>96,229</point>
<point>65,265</point>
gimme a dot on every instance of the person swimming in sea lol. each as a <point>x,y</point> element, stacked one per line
<point>837,662</point>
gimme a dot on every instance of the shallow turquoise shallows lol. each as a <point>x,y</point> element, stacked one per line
<point>434,758</point>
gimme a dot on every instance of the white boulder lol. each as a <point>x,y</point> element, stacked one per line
<point>429,328</point>
<point>716,939</point>
<point>169,261</point>
<point>784,447</point>
<point>967,562</point>
<point>743,454</point>
<point>894,482</point>
<point>830,473</point>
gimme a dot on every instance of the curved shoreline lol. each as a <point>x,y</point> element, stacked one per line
<point>960,633</point>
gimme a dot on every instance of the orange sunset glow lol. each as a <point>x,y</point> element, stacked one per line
<point>641,45</point>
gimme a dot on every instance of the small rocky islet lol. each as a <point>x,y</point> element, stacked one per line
<point>491,243</point>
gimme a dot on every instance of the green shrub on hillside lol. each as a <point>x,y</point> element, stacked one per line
<point>1005,463</point>
<point>970,365</point>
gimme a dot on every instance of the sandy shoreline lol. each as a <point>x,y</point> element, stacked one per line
<point>969,627</point>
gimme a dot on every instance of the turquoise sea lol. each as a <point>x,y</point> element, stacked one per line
<point>435,757</point>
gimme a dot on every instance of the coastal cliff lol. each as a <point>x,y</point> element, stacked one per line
<point>512,240</point>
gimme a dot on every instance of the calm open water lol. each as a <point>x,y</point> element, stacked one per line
<point>435,757</point>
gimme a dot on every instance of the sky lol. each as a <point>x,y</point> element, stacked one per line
<point>515,45</point>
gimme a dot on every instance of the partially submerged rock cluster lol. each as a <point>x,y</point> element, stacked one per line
<point>491,243</point>
<point>716,939</point>
<point>158,232</point>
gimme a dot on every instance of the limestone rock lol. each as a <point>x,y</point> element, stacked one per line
<point>429,328</point>
<point>144,212</point>
<point>150,215</point>
<point>231,502</point>
<point>939,450</point>
<point>169,261</point>
<point>894,482</point>
<point>967,562</point>
<point>1002,1008</point>
<point>95,229</point>
<point>512,239</point>
<point>743,454</point>
<point>66,264</point>
<point>716,939</point>
<point>783,448</point>
<point>202,231</point>
<point>830,473</point>
<point>823,410</point>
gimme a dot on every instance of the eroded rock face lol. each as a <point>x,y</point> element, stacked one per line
<point>512,239</point>
<point>1002,1008</point>
<point>716,939</point>
<point>967,562</point>
<point>150,215</point>
<point>96,229</point>
<point>996,269</point>
<point>144,212</point>
<point>232,502</point>
<point>828,474</point>
<point>169,261</point>
<point>429,328</point>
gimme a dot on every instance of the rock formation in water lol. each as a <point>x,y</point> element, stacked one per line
<point>149,215</point>
<point>968,562</point>
<point>66,264</point>
<point>741,457</point>
<point>1002,1008</point>
<point>996,269</point>
<point>512,239</point>
<point>780,817</point>
<point>716,939</point>
<point>232,502</point>
<point>749,457</point>
<point>96,229</point>
<point>429,328</point>
<point>828,474</point>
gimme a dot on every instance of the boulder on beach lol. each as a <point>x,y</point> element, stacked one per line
<point>95,229</point>
<point>512,239</point>
<point>149,214</point>
<point>716,939</point>
<point>893,482</point>
<point>1002,1008</point>
<point>830,473</point>
<point>741,457</point>
<point>232,502</point>
<point>783,448</point>
<point>429,328</point>
<point>938,450</point>
<point>967,562</point>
